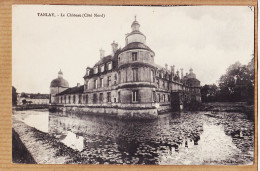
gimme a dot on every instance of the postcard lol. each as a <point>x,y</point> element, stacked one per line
<point>134,85</point>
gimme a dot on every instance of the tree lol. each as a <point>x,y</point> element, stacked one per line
<point>237,84</point>
<point>209,93</point>
<point>14,96</point>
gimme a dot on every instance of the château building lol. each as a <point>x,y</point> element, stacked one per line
<point>127,83</point>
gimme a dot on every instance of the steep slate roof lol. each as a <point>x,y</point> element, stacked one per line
<point>73,90</point>
<point>59,82</point>
<point>104,60</point>
<point>136,45</point>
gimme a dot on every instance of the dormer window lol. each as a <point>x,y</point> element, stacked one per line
<point>109,65</point>
<point>95,70</point>
<point>102,68</point>
<point>134,56</point>
<point>88,71</point>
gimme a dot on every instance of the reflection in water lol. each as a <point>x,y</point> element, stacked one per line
<point>171,139</point>
<point>73,141</point>
<point>214,145</point>
<point>34,119</point>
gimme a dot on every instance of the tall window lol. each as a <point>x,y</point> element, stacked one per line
<point>74,99</point>
<point>65,98</point>
<point>94,98</point>
<point>119,77</point>
<point>109,66</point>
<point>80,97</point>
<point>95,83</point>
<point>152,76</point>
<point>134,56</point>
<point>169,98</point>
<point>101,97</point>
<point>134,95</point>
<point>159,98</point>
<point>118,97</point>
<point>83,98</point>
<point>135,74</point>
<point>61,99</point>
<point>115,79</point>
<point>158,83</point>
<point>108,96</point>
<point>86,99</point>
<point>163,84</point>
<point>101,82</point>
<point>154,96</point>
<point>109,81</point>
<point>69,99</point>
<point>164,98</point>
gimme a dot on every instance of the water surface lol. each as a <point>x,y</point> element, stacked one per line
<point>186,138</point>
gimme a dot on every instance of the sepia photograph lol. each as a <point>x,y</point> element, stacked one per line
<point>133,85</point>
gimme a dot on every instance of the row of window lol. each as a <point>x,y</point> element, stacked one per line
<point>72,99</point>
<point>161,97</point>
<point>99,83</point>
<point>165,84</point>
<point>135,98</point>
<point>102,68</point>
<point>133,56</point>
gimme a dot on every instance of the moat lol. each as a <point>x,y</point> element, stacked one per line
<point>191,138</point>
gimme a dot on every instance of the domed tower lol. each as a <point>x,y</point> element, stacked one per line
<point>136,69</point>
<point>135,35</point>
<point>58,85</point>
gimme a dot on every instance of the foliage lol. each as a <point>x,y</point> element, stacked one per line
<point>209,93</point>
<point>235,86</point>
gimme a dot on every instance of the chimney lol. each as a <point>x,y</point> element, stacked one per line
<point>114,47</point>
<point>78,84</point>
<point>181,73</point>
<point>166,66</point>
<point>102,53</point>
<point>173,69</point>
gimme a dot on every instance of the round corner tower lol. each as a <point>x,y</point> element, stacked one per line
<point>136,69</point>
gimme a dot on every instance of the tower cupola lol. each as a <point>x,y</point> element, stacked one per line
<point>135,35</point>
<point>135,25</point>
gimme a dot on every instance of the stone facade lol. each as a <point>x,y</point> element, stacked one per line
<point>129,84</point>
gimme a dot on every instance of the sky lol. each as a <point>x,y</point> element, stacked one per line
<point>205,38</point>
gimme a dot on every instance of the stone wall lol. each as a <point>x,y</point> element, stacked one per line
<point>143,56</point>
<point>109,111</point>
